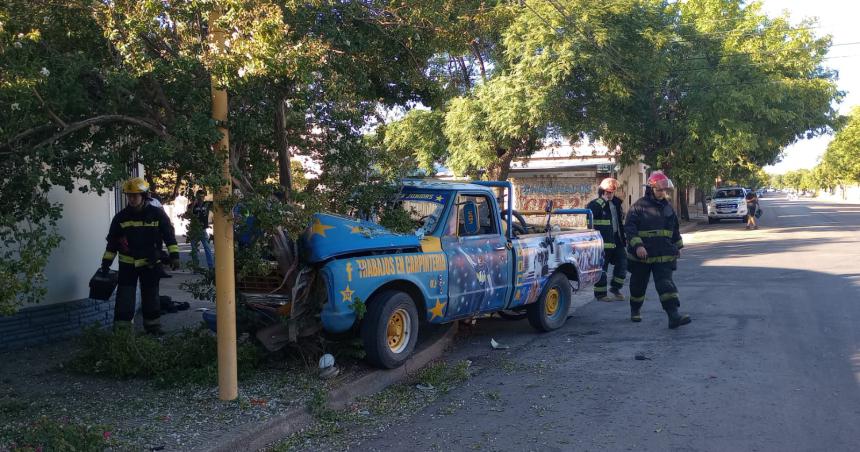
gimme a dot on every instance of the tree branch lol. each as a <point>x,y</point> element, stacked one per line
<point>48,109</point>
<point>74,127</point>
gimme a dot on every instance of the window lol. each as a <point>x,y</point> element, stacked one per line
<point>475,216</point>
<point>424,208</point>
<point>736,193</point>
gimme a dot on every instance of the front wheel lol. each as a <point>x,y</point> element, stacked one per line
<point>712,220</point>
<point>389,329</point>
<point>550,311</point>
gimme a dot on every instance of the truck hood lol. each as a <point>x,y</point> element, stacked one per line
<point>330,236</point>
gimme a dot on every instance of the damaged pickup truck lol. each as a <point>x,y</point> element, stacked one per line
<point>467,258</point>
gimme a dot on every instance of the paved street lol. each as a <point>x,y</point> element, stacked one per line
<point>770,362</point>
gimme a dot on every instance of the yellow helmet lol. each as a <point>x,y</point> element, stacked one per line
<point>135,185</point>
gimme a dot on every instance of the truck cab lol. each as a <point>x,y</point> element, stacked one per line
<point>464,259</point>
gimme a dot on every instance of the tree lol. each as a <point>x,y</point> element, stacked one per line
<point>95,87</point>
<point>840,164</point>
<point>696,88</point>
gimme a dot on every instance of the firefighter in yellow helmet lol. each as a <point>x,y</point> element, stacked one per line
<point>654,244</point>
<point>608,218</point>
<point>136,234</point>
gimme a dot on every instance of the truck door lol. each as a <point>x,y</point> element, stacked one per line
<point>479,273</point>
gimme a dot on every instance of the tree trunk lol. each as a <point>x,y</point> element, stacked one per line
<point>701,195</point>
<point>284,171</point>
<point>682,204</point>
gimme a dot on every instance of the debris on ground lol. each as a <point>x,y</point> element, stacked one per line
<point>498,346</point>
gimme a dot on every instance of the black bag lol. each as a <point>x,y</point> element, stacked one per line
<point>758,212</point>
<point>102,284</point>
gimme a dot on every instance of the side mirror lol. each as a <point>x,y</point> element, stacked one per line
<point>708,199</point>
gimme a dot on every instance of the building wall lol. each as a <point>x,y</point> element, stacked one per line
<point>566,189</point>
<point>632,179</point>
<point>67,308</point>
<point>84,225</point>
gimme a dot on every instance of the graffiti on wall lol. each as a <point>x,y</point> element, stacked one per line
<point>565,193</point>
<point>534,193</point>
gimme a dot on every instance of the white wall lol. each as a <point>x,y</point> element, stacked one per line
<point>85,223</point>
<point>632,179</point>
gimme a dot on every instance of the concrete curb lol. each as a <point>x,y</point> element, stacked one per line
<point>258,436</point>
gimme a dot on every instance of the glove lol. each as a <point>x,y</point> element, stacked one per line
<point>174,263</point>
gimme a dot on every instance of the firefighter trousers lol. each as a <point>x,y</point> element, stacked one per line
<point>129,275</point>
<point>641,272</point>
<point>619,273</point>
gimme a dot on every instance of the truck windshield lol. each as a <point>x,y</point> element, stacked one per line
<point>425,208</point>
<point>729,194</point>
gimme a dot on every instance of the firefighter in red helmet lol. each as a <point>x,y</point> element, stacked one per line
<point>653,247</point>
<point>608,220</point>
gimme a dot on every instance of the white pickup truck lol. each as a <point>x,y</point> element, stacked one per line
<point>727,203</point>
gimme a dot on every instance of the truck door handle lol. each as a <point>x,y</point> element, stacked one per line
<point>501,248</point>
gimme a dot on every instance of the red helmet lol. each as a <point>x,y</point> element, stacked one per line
<point>609,184</point>
<point>659,180</point>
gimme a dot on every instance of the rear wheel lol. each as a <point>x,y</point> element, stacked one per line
<point>389,330</point>
<point>550,311</point>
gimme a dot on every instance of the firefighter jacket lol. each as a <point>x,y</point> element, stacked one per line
<point>603,221</point>
<point>652,223</point>
<point>136,236</point>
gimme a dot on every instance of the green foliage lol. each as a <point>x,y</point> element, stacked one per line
<point>799,180</point>
<point>359,307</point>
<point>190,357</point>
<point>51,435</point>
<point>840,164</point>
<point>89,89</point>
<point>697,88</point>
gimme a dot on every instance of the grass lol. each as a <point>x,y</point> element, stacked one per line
<point>55,435</point>
<point>189,357</point>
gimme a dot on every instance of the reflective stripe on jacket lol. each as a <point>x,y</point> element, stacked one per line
<point>602,215</point>
<point>653,224</point>
<point>136,236</point>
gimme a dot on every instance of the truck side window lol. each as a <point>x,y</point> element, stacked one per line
<point>485,216</point>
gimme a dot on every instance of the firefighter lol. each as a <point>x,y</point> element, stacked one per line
<point>136,234</point>
<point>608,219</point>
<point>653,244</point>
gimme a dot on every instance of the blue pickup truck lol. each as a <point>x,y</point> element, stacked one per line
<point>466,258</point>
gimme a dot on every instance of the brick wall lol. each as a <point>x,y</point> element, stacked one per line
<point>40,324</point>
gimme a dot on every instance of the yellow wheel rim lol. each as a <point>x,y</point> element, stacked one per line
<point>552,298</point>
<point>399,330</point>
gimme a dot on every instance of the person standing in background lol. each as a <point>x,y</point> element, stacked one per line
<point>198,215</point>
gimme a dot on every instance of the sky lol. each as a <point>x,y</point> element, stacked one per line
<point>837,18</point>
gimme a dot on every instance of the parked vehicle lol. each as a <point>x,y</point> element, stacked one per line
<point>727,203</point>
<point>463,260</point>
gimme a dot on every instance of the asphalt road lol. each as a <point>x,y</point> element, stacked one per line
<point>771,361</point>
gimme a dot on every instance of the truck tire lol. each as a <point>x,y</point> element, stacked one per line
<point>389,329</point>
<point>550,311</point>
<point>713,220</point>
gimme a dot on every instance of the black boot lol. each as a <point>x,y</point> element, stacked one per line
<point>676,319</point>
<point>635,307</point>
